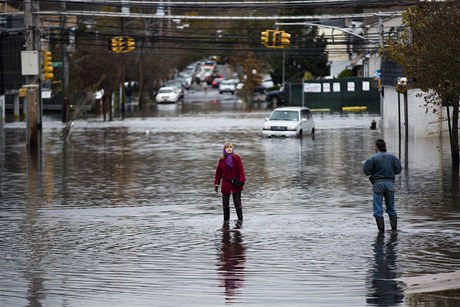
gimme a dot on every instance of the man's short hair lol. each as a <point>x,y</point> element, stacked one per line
<point>381,145</point>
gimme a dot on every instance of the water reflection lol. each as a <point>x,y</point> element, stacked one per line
<point>116,196</point>
<point>34,237</point>
<point>231,260</point>
<point>383,290</point>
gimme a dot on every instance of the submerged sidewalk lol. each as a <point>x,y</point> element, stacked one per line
<point>437,289</point>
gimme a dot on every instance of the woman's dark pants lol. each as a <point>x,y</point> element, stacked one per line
<point>236,202</point>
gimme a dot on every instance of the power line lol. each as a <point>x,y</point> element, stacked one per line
<point>231,4</point>
<point>197,17</point>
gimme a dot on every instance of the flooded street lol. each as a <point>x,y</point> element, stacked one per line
<point>125,214</point>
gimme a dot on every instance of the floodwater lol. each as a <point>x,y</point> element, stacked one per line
<point>125,214</point>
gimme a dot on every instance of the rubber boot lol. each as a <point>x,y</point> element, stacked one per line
<point>394,222</point>
<point>380,223</point>
<point>226,213</point>
<point>239,213</point>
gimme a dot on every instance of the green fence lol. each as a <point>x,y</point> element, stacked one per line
<point>347,94</point>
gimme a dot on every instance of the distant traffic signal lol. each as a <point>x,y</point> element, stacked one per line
<point>277,39</point>
<point>285,38</point>
<point>48,70</point>
<point>115,44</point>
<point>130,43</point>
<point>266,38</point>
<point>120,44</point>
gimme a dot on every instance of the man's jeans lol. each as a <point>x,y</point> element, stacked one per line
<point>383,189</point>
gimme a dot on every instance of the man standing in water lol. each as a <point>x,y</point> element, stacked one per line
<point>381,169</point>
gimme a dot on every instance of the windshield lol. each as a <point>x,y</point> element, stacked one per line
<point>285,115</point>
<point>165,90</point>
<point>173,83</point>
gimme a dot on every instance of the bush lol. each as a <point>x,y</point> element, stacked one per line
<point>346,73</point>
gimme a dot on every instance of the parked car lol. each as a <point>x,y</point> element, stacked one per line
<point>167,95</point>
<point>289,122</point>
<point>276,97</point>
<point>217,81</point>
<point>186,77</point>
<point>266,84</point>
<point>227,86</point>
<point>177,85</point>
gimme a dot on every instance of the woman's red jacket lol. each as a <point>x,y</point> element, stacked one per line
<point>225,174</point>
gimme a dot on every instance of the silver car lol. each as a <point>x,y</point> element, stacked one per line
<point>227,86</point>
<point>289,122</point>
<point>167,95</point>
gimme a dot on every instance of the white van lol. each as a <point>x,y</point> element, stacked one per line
<point>289,122</point>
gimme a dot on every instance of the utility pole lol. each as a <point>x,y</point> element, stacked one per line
<point>65,66</point>
<point>125,10</point>
<point>32,95</point>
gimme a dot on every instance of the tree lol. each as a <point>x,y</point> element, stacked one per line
<point>346,73</point>
<point>251,67</point>
<point>306,52</point>
<point>243,56</point>
<point>429,52</point>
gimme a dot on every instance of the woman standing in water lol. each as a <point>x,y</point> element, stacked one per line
<point>231,172</point>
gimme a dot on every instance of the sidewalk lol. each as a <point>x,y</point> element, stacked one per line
<point>443,288</point>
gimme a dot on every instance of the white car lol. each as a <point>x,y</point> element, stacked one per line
<point>289,122</point>
<point>177,85</point>
<point>167,95</point>
<point>227,86</point>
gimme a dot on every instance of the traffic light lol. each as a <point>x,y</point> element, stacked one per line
<point>130,44</point>
<point>285,38</point>
<point>48,65</point>
<point>277,38</point>
<point>265,38</point>
<point>121,44</point>
<point>116,44</point>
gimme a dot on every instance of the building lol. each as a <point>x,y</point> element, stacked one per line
<point>398,110</point>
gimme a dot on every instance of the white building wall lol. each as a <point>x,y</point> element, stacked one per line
<point>422,121</point>
<point>390,108</point>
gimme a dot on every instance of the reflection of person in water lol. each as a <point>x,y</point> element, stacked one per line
<point>383,290</point>
<point>231,259</point>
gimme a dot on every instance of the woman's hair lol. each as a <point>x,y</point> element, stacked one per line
<point>225,145</point>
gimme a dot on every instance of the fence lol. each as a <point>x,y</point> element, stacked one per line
<point>347,94</point>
